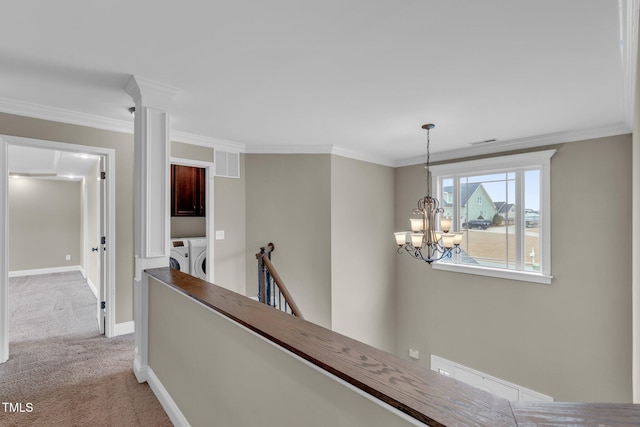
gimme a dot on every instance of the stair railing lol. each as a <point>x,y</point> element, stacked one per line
<point>271,289</point>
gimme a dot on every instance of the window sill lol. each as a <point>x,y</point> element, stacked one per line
<point>523,276</point>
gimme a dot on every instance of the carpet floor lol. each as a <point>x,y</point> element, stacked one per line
<point>61,371</point>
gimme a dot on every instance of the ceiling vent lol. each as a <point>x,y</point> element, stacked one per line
<point>486,141</point>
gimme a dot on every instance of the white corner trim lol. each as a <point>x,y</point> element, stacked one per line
<point>50,270</point>
<point>124,328</point>
<point>170,407</point>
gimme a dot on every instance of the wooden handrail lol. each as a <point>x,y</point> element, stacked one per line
<point>285,292</point>
<point>264,262</point>
<point>419,392</point>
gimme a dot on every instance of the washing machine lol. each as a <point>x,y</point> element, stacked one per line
<point>179,255</point>
<point>198,257</point>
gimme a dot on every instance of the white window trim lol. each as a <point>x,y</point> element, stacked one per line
<point>538,159</point>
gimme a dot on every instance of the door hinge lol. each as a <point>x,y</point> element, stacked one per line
<point>103,305</point>
<point>103,240</point>
<point>103,175</point>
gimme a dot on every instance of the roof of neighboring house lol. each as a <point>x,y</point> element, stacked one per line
<point>466,191</point>
<point>503,207</point>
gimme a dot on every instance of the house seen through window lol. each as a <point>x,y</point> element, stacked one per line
<point>502,206</point>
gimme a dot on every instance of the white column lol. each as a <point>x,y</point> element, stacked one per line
<point>151,198</point>
<point>4,257</point>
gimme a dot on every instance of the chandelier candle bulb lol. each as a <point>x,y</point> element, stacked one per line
<point>416,224</point>
<point>401,237</point>
<point>416,239</point>
<point>447,240</point>
<point>457,238</point>
<point>445,224</point>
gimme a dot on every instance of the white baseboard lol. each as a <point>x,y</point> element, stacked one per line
<point>37,271</point>
<point>124,328</point>
<point>169,406</point>
<point>93,288</point>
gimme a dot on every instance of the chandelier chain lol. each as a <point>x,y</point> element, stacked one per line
<point>428,161</point>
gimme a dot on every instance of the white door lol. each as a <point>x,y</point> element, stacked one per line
<point>102,201</point>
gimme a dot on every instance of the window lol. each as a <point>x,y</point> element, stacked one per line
<point>502,205</point>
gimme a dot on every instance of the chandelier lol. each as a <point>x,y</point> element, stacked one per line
<point>429,239</point>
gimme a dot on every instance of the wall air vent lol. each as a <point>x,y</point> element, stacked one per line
<point>227,164</point>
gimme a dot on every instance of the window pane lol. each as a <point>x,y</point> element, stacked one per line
<point>488,211</point>
<point>532,216</point>
<point>447,197</point>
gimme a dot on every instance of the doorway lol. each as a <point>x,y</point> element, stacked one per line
<point>193,230</point>
<point>97,189</point>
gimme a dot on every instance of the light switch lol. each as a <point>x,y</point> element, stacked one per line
<point>219,234</point>
<point>414,354</point>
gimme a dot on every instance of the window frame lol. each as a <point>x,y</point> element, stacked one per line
<point>518,163</point>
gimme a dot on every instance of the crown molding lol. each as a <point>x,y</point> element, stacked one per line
<point>205,141</point>
<point>54,114</point>
<point>60,115</point>
<point>290,149</point>
<point>319,149</point>
<point>520,143</point>
<point>364,157</point>
<point>155,94</point>
<point>21,108</point>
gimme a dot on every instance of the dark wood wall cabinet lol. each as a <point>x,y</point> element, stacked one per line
<point>188,190</point>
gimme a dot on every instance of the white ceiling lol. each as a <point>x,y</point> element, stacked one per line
<point>360,76</point>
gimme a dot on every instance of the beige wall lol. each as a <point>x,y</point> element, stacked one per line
<point>192,152</point>
<point>362,266</point>
<point>288,201</point>
<point>44,223</point>
<point>230,254</point>
<point>570,339</point>
<point>123,146</point>
<point>246,381</point>
<point>188,226</point>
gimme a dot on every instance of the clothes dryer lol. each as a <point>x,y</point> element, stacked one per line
<point>179,255</point>
<point>198,257</point>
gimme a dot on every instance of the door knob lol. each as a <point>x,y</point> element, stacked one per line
<point>94,249</point>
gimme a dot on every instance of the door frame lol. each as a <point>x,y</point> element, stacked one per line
<point>109,154</point>
<point>209,168</point>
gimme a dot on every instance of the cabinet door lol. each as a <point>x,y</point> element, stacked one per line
<point>187,191</point>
